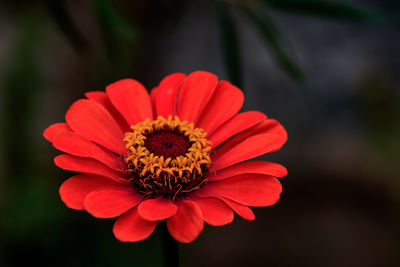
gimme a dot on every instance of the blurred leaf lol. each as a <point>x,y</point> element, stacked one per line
<point>230,43</point>
<point>21,86</point>
<point>64,22</point>
<point>276,44</point>
<point>112,19</point>
<point>114,30</point>
<point>328,9</point>
<point>377,106</point>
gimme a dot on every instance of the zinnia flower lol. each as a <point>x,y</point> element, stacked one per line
<point>179,154</point>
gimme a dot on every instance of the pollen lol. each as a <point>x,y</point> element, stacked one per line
<point>167,157</point>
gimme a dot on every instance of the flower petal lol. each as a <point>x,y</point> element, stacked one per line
<point>194,94</point>
<point>91,120</point>
<point>111,203</point>
<point>167,94</point>
<point>238,123</point>
<point>248,189</point>
<point>54,130</point>
<point>74,190</point>
<point>226,101</point>
<point>131,99</point>
<point>76,145</point>
<point>87,166</point>
<point>131,227</point>
<point>261,167</point>
<point>102,99</point>
<point>249,148</point>
<point>157,209</point>
<point>265,137</point>
<point>241,210</point>
<point>265,127</point>
<point>215,212</point>
<point>186,225</point>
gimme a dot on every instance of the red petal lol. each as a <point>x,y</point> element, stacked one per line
<point>265,137</point>
<point>269,126</point>
<point>74,190</point>
<point>248,189</point>
<point>215,212</point>
<point>261,167</point>
<point>243,211</point>
<point>76,145</point>
<point>91,120</point>
<point>223,105</point>
<point>238,123</point>
<point>54,130</point>
<point>264,127</point>
<point>102,99</point>
<point>186,225</point>
<point>157,209</point>
<point>167,94</point>
<point>249,148</point>
<point>87,166</point>
<point>131,99</point>
<point>111,203</point>
<point>130,227</point>
<point>195,92</point>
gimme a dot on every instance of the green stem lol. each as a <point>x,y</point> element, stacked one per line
<point>169,247</point>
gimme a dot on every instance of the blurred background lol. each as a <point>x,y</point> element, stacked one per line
<point>327,70</point>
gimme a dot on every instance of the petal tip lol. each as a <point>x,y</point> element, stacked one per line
<point>130,227</point>
<point>157,209</point>
<point>53,130</point>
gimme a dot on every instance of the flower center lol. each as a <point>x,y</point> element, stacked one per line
<point>167,144</point>
<point>167,157</point>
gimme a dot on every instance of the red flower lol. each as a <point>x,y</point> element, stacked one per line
<point>177,155</point>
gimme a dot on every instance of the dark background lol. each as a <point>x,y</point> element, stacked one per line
<point>339,104</point>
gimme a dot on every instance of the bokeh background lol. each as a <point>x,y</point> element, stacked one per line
<point>329,71</point>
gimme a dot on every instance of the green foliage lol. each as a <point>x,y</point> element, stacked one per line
<point>119,37</point>
<point>21,86</point>
<point>111,19</point>
<point>377,106</point>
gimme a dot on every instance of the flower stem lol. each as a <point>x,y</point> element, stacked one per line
<point>169,247</point>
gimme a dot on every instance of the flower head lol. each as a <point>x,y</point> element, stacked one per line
<point>179,154</point>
